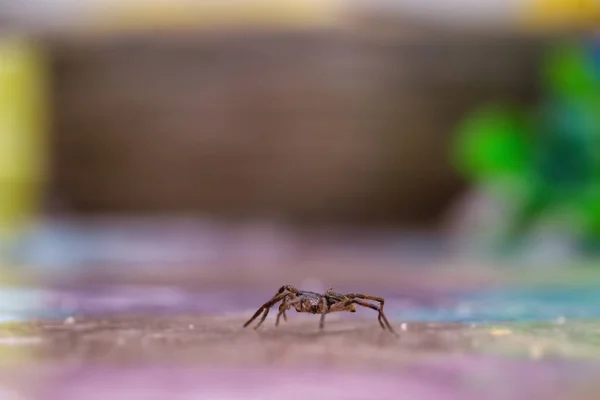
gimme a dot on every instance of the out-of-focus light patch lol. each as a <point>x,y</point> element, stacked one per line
<point>23,168</point>
<point>459,13</point>
<point>561,14</point>
<point>23,124</point>
<point>500,332</point>
<point>17,351</point>
<point>10,276</point>
<point>536,351</point>
<point>544,304</point>
<point>19,341</point>
<point>18,304</point>
<point>10,394</point>
<point>541,15</point>
<point>492,143</point>
<point>17,337</point>
<point>542,162</point>
<point>571,71</point>
<point>123,16</point>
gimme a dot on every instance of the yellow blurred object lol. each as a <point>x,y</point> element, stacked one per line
<point>500,332</point>
<point>23,125</point>
<point>17,342</point>
<point>128,16</point>
<point>550,14</point>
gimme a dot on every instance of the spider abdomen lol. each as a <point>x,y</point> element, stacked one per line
<point>310,303</point>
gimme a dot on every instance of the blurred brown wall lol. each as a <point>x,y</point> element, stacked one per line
<point>313,126</point>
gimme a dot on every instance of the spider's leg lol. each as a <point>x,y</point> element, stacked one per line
<point>378,309</point>
<point>282,310</point>
<point>324,311</point>
<point>279,314</point>
<point>289,301</point>
<point>278,297</point>
<point>380,300</point>
<point>262,319</point>
<point>374,298</point>
<point>290,289</point>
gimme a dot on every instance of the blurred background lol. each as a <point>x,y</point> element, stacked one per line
<point>254,143</point>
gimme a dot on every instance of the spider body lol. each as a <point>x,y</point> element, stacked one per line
<point>315,303</point>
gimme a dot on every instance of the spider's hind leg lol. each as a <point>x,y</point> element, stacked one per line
<point>380,300</point>
<point>324,310</point>
<point>378,309</point>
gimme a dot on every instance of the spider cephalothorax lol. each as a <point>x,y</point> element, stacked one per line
<point>316,303</point>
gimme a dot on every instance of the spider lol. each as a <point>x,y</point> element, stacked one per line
<point>315,303</point>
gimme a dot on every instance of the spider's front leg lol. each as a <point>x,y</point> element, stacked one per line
<point>282,309</point>
<point>288,302</point>
<point>291,290</point>
<point>283,291</point>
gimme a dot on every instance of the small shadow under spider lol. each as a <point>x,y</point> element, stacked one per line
<point>285,333</point>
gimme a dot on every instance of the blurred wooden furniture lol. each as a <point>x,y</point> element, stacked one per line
<point>344,126</point>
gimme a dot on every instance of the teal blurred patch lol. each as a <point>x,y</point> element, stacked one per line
<point>512,305</point>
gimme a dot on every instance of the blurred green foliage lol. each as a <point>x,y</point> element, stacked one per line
<point>549,153</point>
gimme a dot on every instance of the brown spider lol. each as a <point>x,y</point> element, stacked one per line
<point>315,303</point>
